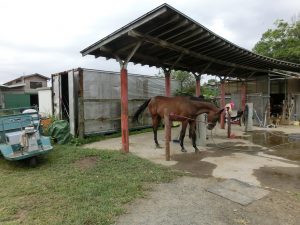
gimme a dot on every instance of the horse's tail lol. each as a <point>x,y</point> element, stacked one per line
<point>140,110</point>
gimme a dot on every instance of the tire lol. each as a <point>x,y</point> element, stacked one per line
<point>33,161</point>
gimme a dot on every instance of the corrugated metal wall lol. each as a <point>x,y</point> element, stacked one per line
<point>297,106</point>
<point>101,94</point>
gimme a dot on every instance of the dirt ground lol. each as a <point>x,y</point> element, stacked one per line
<point>268,158</point>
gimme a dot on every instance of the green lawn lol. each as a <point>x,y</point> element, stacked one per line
<point>60,190</point>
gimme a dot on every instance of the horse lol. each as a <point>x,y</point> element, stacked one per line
<point>180,108</point>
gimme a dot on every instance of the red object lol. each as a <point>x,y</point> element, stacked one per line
<point>124,110</point>
<point>198,87</point>
<point>232,136</point>
<point>168,84</point>
<point>222,104</point>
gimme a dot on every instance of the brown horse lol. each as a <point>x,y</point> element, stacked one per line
<point>180,108</point>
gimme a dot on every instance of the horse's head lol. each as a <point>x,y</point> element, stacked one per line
<point>213,118</point>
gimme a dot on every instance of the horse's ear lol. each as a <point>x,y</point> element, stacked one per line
<point>220,111</point>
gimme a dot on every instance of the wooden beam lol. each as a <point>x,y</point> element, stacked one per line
<point>165,44</point>
<point>200,43</point>
<point>181,24</point>
<point>173,19</point>
<point>192,27</point>
<point>203,36</point>
<point>196,32</point>
<point>212,48</point>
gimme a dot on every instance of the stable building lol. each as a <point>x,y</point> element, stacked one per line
<point>22,91</point>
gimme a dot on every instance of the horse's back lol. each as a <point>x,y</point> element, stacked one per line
<point>159,104</point>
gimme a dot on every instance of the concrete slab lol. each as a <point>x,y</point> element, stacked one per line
<point>238,191</point>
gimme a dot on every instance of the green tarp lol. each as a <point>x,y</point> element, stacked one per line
<point>60,131</point>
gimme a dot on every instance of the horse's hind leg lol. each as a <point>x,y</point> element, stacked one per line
<point>182,135</point>
<point>193,134</point>
<point>155,124</point>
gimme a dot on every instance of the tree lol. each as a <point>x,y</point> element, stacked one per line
<point>186,81</point>
<point>282,43</point>
<point>210,88</point>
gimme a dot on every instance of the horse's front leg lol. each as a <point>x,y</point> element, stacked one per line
<point>182,135</point>
<point>193,135</point>
<point>155,124</point>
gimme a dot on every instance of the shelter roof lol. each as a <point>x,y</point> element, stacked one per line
<point>166,38</point>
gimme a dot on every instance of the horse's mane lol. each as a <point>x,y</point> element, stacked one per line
<point>202,99</point>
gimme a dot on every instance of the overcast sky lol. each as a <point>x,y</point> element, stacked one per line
<point>46,36</point>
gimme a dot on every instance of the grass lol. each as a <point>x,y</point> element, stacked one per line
<point>90,139</point>
<point>297,195</point>
<point>58,191</point>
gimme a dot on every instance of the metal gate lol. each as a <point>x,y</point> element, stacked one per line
<point>260,105</point>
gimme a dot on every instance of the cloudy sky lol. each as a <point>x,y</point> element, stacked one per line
<point>46,36</point>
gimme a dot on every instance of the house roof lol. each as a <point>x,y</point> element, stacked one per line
<point>166,38</point>
<point>27,76</point>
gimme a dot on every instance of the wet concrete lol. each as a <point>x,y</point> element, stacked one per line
<point>191,163</point>
<point>278,143</point>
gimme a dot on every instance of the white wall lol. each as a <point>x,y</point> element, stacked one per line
<point>45,102</point>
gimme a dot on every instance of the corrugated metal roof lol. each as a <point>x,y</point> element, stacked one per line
<point>169,39</point>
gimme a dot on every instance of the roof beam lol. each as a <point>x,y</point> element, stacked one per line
<point>218,45</point>
<point>203,36</point>
<point>196,32</point>
<point>173,19</point>
<point>165,44</point>
<point>192,27</point>
<point>201,43</point>
<point>181,24</point>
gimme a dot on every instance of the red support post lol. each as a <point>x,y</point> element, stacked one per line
<point>222,103</point>
<point>124,110</point>
<point>243,94</point>
<point>168,83</point>
<point>198,87</point>
<point>167,135</point>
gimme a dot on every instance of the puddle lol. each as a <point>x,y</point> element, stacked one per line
<point>191,162</point>
<point>279,143</point>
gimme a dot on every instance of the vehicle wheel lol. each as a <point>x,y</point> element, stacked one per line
<point>33,161</point>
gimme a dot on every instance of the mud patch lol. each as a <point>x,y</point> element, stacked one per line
<point>87,162</point>
<point>283,178</point>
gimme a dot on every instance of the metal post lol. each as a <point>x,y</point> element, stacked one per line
<point>198,87</point>
<point>124,110</point>
<point>201,129</point>
<point>222,103</point>
<point>168,83</point>
<point>228,117</point>
<point>243,94</point>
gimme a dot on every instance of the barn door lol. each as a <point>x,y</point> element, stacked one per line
<point>56,93</point>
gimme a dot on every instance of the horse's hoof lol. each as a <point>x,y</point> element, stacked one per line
<point>197,150</point>
<point>183,150</point>
<point>158,146</point>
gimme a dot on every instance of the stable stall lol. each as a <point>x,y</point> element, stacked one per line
<point>168,39</point>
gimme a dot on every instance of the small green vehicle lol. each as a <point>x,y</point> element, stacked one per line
<point>20,136</point>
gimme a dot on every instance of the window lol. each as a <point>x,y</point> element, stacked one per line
<point>35,85</point>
